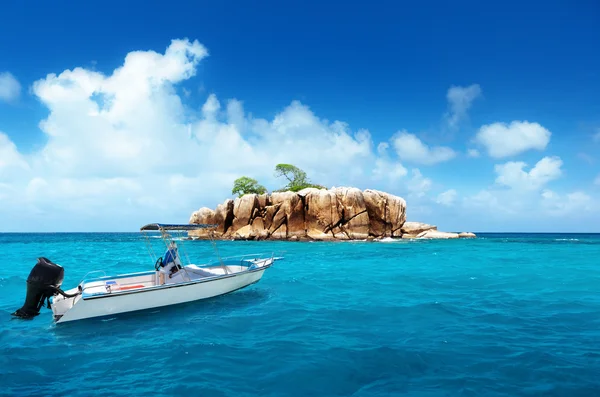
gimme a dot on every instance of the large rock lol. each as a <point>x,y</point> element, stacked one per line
<point>263,200</point>
<point>413,229</point>
<point>395,213</point>
<point>243,208</point>
<point>269,215</point>
<point>355,219</point>
<point>436,234</point>
<point>203,216</point>
<point>258,228</point>
<point>244,233</point>
<point>280,233</point>
<point>322,212</point>
<point>376,205</point>
<point>466,235</point>
<point>316,234</point>
<point>290,213</point>
<point>224,216</point>
<point>387,213</point>
<point>317,214</point>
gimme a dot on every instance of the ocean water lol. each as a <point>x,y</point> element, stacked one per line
<point>500,315</point>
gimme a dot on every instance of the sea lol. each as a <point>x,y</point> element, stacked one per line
<point>499,315</point>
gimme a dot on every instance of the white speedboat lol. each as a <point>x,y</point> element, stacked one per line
<point>169,283</point>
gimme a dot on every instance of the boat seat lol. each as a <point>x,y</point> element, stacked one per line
<point>94,287</point>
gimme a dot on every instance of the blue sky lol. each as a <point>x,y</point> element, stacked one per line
<point>482,116</point>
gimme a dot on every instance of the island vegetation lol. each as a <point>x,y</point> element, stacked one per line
<point>295,177</point>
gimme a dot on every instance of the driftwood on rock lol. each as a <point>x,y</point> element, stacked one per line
<point>343,213</point>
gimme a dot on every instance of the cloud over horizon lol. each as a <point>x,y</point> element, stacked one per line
<point>122,142</point>
<point>123,146</point>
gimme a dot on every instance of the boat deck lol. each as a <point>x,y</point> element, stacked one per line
<point>106,285</point>
<point>135,281</point>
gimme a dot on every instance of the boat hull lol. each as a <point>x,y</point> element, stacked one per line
<point>155,297</point>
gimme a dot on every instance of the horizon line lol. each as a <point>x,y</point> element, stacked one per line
<point>138,231</point>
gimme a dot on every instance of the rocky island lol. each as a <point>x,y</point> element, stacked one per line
<point>314,213</point>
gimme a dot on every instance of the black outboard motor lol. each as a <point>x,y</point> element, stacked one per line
<point>43,282</point>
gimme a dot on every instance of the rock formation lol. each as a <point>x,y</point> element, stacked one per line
<point>343,213</point>
<point>413,229</point>
<point>437,234</point>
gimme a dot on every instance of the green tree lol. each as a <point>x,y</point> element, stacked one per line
<point>245,185</point>
<point>296,178</point>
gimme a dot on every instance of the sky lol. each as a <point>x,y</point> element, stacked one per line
<point>483,116</point>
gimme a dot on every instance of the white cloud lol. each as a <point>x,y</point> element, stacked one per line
<point>385,168</point>
<point>597,180</point>
<point>473,153</point>
<point>10,158</point>
<point>123,148</point>
<point>10,89</point>
<point>418,185</point>
<point>459,101</point>
<point>410,148</point>
<point>504,140</point>
<point>576,202</point>
<point>489,202</point>
<point>393,171</point>
<point>512,174</point>
<point>447,198</point>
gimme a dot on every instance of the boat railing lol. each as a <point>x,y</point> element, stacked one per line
<point>93,271</point>
<point>241,258</point>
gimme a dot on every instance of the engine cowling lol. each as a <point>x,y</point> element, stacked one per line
<point>43,282</point>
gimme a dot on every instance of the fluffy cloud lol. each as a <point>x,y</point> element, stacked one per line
<point>527,197</point>
<point>418,185</point>
<point>576,202</point>
<point>386,168</point>
<point>512,174</point>
<point>459,101</point>
<point>122,149</point>
<point>295,135</point>
<point>10,158</point>
<point>504,140</point>
<point>447,198</point>
<point>125,145</point>
<point>10,89</point>
<point>410,148</point>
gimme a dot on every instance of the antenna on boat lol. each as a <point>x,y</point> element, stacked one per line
<point>211,234</point>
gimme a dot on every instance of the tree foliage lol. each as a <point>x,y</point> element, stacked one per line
<point>297,179</point>
<point>245,185</point>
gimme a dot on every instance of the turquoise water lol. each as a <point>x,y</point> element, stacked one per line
<point>502,315</point>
